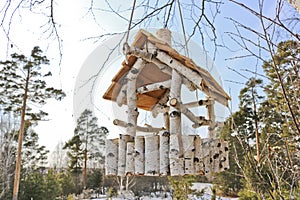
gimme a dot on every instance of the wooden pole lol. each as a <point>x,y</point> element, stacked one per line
<point>212,119</point>
<point>164,153</point>
<point>148,129</point>
<point>132,97</point>
<point>111,156</point>
<point>129,169</point>
<point>198,156</point>
<point>139,156</point>
<point>188,153</point>
<point>122,153</point>
<point>152,155</point>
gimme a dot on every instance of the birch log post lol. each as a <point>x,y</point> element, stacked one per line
<point>188,153</point>
<point>122,153</point>
<point>164,153</point>
<point>111,156</point>
<point>152,155</point>
<point>129,169</point>
<point>212,118</point>
<point>139,156</point>
<point>132,97</point>
<point>176,161</point>
<point>207,156</point>
<point>121,98</point>
<point>154,86</point>
<point>198,157</point>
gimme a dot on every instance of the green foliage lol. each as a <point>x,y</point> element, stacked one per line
<point>22,75</point>
<point>181,186</point>
<point>95,179</point>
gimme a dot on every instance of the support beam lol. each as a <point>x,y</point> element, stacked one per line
<point>132,96</point>
<point>191,75</point>
<point>121,98</point>
<point>154,86</point>
<point>202,102</point>
<point>198,121</point>
<point>161,106</point>
<point>148,129</point>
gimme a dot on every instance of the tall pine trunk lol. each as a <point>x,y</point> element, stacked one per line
<point>20,140</point>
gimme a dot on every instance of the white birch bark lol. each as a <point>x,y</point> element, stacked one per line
<point>206,145</point>
<point>111,156</point>
<point>129,170</point>
<point>154,86</point>
<point>122,153</point>
<point>121,98</point>
<point>132,97</point>
<point>161,106</point>
<point>176,161</point>
<point>164,153</point>
<point>198,157</point>
<point>198,121</point>
<point>198,103</point>
<point>148,129</point>
<point>164,35</point>
<point>188,153</point>
<point>152,155</point>
<point>212,118</point>
<point>139,156</point>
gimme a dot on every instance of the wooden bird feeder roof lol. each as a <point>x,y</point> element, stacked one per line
<point>152,74</point>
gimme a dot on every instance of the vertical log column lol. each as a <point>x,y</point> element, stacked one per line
<point>132,97</point>
<point>139,158</point>
<point>111,156</point>
<point>124,139</point>
<point>212,119</point>
<point>176,151</point>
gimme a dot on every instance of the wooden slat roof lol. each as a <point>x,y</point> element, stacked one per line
<point>152,74</point>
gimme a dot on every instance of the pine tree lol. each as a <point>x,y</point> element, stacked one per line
<point>22,84</point>
<point>90,139</point>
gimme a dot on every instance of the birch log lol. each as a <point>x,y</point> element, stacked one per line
<point>154,86</point>
<point>139,155</point>
<point>152,155</point>
<point>198,121</point>
<point>198,103</point>
<point>122,153</point>
<point>111,156</point>
<point>191,75</point>
<point>148,129</point>
<point>224,159</point>
<point>211,117</point>
<point>161,106</point>
<point>198,156</point>
<point>207,156</point>
<point>132,97</point>
<point>176,161</point>
<point>188,153</point>
<point>129,169</point>
<point>164,153</point>
<point>121,98</point>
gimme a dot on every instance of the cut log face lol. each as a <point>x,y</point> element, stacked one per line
<point>111,156</point>
<point>152,163</point>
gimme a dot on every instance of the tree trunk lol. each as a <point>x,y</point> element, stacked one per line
<point>129,170</point>
<point>20,140</point>
<point>122,153</point>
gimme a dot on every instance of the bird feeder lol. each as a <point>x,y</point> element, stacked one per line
<point>150,79</point>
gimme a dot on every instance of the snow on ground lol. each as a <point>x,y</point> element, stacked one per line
<point>207,187</point>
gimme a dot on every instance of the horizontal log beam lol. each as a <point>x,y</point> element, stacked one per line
<point>198,121</point>
<point>201,102</point>
<point>154,86</point>
<point>147,129</point>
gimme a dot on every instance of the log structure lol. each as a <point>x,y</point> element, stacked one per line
<point>151,78</point>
